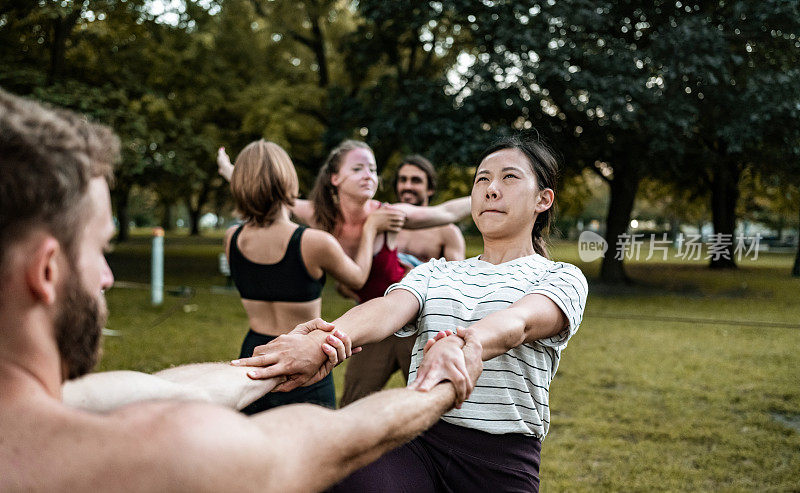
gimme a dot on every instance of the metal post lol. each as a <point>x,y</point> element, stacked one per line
<point>157,268</point>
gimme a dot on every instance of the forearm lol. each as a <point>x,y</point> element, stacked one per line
<point>498,333</point>
<point>425,217</point>
<point>372,321</point>
<point>364,256</point>
<point>218,383</point>
<point>533,317</point>
<point>457,209</point>
<point>221,383</point>
<point>106,391</point>
<point>339,442</point>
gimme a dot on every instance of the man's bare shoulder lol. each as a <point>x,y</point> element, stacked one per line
<point>150,446</point>
<point>449,229</point>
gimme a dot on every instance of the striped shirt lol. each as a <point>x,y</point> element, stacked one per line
<point>512,393</point>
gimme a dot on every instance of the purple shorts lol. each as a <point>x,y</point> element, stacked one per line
<point>451,458</point>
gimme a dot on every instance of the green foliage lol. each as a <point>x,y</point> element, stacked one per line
<point>689,94</point>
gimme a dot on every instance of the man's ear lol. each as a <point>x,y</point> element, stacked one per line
<point>43,270</point>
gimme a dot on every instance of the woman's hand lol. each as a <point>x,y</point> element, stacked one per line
<point>451,356</point>
<point>224,166</point>
<point>386,218</point>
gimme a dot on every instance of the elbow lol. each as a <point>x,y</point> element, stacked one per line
<point>518,335</point>
<point>357,283</point>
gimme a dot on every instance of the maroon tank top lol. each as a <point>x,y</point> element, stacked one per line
<point>386,270</point>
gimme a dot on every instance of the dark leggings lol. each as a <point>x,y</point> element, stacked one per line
<point>450,458</point>
<point>322,393</point>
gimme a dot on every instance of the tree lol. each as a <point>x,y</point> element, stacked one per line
<point>582,73</point>
<point>736,65</point>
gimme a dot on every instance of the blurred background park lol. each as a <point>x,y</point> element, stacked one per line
<point>676,123</point>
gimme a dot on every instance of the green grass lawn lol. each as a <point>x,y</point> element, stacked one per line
<point>638,403</point>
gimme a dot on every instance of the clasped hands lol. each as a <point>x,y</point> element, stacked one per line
<point>309,352</point>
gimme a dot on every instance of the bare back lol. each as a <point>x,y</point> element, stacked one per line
<point>47,446</point>
<point>267,245</point>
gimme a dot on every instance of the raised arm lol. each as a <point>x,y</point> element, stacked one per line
<point>217,383</point>
<point>428,216</point>
<point>224,165</point>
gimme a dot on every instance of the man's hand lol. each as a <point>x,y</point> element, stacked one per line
<point>455,357</point>
<point>305,355</point>
<point>337,347</point>
<point>224,166</point>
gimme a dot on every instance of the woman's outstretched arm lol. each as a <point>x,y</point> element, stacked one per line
<point>298,355</point>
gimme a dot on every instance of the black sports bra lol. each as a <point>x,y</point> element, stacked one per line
<point>286,280</point>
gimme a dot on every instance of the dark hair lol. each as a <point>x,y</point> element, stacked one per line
<point>263,181</point>
<point>545,166</point>
<point>47,158</point>
<point>421,163</point>
<point>324,195</point>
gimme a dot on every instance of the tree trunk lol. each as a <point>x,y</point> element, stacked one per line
<point>196,208</point>
<point>724,195</point>
<point>318,46</point>
<point>62,29</point>
<point>796,268</point>
<point>624,186</point>
<point>194,221</point>
<point>167,224</point>
<point>121,196</point>
<point>674,227</point>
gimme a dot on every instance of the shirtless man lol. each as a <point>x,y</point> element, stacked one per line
<point>415,183</point>
<point>55,221</point>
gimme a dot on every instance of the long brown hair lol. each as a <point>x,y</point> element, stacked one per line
<point>324,195</point>
<point>543,162</point>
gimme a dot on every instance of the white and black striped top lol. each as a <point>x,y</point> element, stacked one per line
<point>512,393</point>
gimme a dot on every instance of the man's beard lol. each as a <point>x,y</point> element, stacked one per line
<point>413,199</point>
<point>79,325</point>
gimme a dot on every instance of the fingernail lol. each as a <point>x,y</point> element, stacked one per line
<point>251,374</point>
<point>235,362</point>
